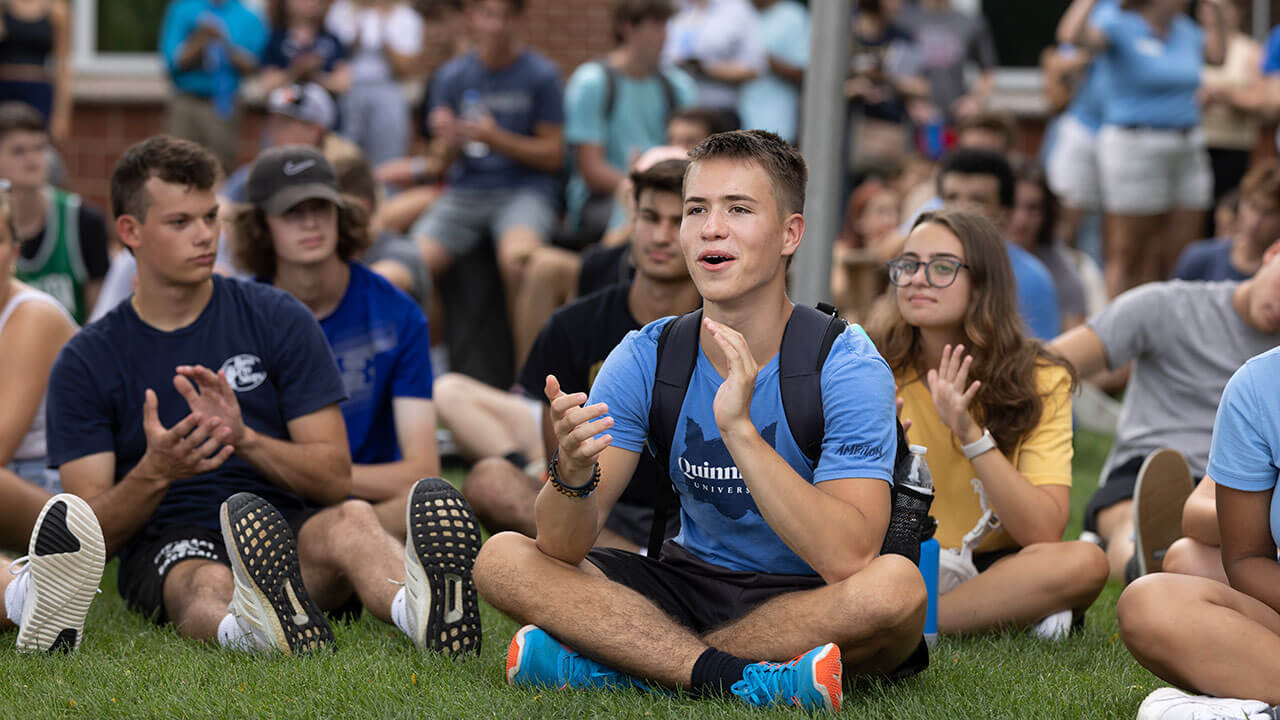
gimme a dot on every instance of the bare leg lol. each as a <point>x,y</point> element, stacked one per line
<point>515,247</point>
<point>1192,557</point>
<point>1130,240</point>
<point>394,273</point>
<point>344,548</point>
<point>5,579</point>
<point>486,422</point>
<point>1115,525</point>
<point>1185,227</point>
<point>1022,589</point>
<point>550,281</point>
<point>196,595</point>
<point>391,516</point>
<point>1203,635</point>
<point>435,256</point>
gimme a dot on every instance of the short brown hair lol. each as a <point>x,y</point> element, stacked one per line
<point>18,116</point>
<point>355,178</point>
<point>666,176</point>
<point>253,249</point>
<point>171,159</point>
<point>633,12</point>
<point>1001,123</point>
<point>784,165</point>
<point>1262,180</point>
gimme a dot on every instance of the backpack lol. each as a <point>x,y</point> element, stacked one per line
<point>806,342</point>
<point>611,75</point>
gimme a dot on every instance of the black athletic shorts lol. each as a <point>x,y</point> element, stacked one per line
<point>155,549</point>
<point>1119,487</point>
<point>701,596</point>
<point>634,522</point>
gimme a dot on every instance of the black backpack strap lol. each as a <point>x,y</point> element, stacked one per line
<point>806,342</point>
<point>610,86</point>
<point>677,355</point>
<point>669,92</point>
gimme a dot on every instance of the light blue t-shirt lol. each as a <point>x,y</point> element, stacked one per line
<point>1089,102</point>
<point>770,102</point>
<point>1037,295</point>
<point>1153,79</point>
<point>244,28</point>
<point>637,122</point>
<point>1245,453</point>
<point>720,522</point>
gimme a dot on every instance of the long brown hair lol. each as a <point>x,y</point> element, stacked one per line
<point>1008,403</point>
<point>253,249</point>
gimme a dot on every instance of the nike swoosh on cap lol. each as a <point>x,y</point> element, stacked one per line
<point>293,168</point>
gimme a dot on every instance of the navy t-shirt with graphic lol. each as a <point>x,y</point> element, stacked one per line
<point>275,358</point>
<point>379,339</point>
<point>720,522</point>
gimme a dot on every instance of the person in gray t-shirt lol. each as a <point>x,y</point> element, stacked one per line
<point>948,39</point>
<point>1185,339</point>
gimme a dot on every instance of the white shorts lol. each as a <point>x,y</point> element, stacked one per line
<point>1072,167</point>
<point>1146,171</point>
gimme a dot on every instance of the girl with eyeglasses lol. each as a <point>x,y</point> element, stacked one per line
<point>994,409</point>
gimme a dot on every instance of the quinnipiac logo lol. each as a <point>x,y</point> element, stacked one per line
<point>244,372</point>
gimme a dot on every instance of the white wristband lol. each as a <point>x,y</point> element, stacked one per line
<point>979,446</point>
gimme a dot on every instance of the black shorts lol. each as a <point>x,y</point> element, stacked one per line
<point>1118,487</point>
<point>983,561</point>
<point>146,561</point>
<point>701,596</point>
<point>634,522</point>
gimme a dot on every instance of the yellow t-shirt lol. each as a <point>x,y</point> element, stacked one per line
<point>1043,457</point>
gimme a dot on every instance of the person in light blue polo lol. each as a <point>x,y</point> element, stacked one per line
<point>208,46</point>
<point>772,100</point>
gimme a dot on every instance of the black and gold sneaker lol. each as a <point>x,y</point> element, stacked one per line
<point>440,551</point>
<point>270,600</point>
<point>62,570</point>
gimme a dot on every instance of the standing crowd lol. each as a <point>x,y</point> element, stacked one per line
<point>240,381</point>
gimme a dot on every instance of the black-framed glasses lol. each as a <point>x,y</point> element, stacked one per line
<point>938,272</point>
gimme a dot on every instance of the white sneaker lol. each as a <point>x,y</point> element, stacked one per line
<point>1172,704</point>
<point>63,567</point>
<point>440,550</point>
<point>1054,627</point>
<point>270,600</point>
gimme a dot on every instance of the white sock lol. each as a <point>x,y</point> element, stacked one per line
<point>1054,627</point>
<point>400,613</point>
<point>15,597</point>
<point>233,635</point>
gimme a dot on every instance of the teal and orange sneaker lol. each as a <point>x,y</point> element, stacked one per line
<point>535,659</point>
<point>811,680</point>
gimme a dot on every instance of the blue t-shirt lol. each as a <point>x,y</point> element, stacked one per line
<point>637,122</point>
<point>521,96</point>
<point>274,356</point>
<point>281,50</point>
<point>1037,295</point>
<point>1208,260</point>
<point>1153,80</point>
<point>244,28</point>
<point>1245,452</point>
<point>1271,55</point>
<point>720,522</point>
<point>379,339</point>
<point>770,102</point>
<point>1089,102</point>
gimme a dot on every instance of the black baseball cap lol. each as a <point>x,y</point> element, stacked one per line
<point>285,176</point>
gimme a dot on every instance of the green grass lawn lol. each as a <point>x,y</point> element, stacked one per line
<point>128,668</point>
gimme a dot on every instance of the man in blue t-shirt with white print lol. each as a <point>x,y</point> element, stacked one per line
<point>759,522</point>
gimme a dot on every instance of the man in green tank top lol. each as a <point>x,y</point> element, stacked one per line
<point>64,241</point>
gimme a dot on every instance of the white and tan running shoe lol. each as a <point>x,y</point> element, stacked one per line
<point>58,578</point>
<point>440,550</point>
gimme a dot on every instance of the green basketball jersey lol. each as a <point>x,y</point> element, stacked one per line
<point>58,267</point>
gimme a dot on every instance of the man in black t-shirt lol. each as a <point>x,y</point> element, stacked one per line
<point>200,420</point>
<point>572,346</point>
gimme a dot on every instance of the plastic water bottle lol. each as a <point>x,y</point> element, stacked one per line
<point>920,480</point>
<point>473,108</point>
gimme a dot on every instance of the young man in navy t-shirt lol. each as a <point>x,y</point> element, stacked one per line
<point>774,555</point>
<point>200,420</point>
<point>298,234</point>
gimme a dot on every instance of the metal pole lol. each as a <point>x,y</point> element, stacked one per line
<point>821,143</point>
<point>1261,19</point>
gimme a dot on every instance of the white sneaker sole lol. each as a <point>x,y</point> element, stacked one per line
<point>66,557</point>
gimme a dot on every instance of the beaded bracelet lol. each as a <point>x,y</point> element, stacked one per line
<point>553,476</point>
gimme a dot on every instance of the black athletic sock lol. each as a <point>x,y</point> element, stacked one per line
<point>715,672</point>
<point>517,458</point>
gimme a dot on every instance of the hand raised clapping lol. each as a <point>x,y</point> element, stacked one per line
<point>951,395</point>
<point>733,399</point>
<point>576,428</point>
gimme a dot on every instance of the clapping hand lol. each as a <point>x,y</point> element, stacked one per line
<point>733,399</point>
<point>951,395</point>
<point>576,428</point>
<point>211,396</point>
<point>195,445</point>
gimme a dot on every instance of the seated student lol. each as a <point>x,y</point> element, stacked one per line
<point>572,346</point>
<point>758,522</point>
<point>994,409</point>
<point>301,50</point>
<point>1209,637</point>
<point>182,464</point>
<point>300,235</point>
<point>1185,339</point>
<point>1238,255</point>
<point>1033,226</point>
<point>982,182</point>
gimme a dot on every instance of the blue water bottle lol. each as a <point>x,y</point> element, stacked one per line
<point>921,480</point>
